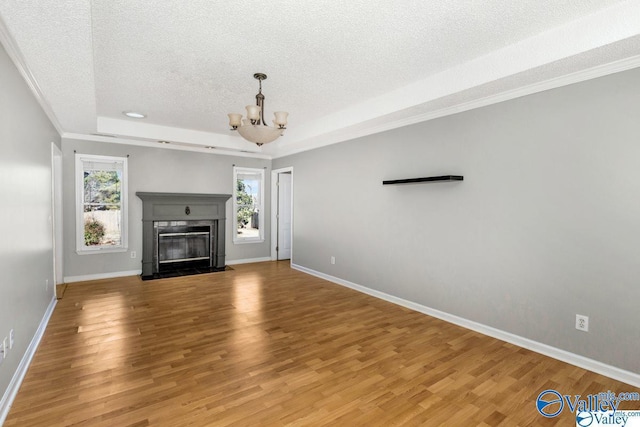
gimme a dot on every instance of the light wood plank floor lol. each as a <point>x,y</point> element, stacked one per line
<point>265,345</point>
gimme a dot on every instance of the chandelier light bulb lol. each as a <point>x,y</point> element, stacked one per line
<point>281,119</point>
<point>235,120</point>
<point>253,112</point>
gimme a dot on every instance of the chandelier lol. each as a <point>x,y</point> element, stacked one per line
<point>254,128</point>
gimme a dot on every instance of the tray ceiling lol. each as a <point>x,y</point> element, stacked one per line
<point>341,69</point>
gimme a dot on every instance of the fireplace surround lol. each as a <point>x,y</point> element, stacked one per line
<point>182,232</point>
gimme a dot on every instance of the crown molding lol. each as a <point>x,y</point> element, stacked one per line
<point>171,146</point>
<point>16,56</point>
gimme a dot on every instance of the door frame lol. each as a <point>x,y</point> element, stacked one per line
<point>56,209</point>
<point>274,211</point>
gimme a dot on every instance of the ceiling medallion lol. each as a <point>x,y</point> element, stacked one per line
<point>254,128</point>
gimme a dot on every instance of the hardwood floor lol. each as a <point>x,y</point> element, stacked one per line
<point>265,345</point>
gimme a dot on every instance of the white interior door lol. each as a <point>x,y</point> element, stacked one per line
<point>284,216</point>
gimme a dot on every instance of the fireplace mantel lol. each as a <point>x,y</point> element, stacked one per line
<point>181,207</point>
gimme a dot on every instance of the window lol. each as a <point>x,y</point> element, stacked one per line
<point>101,204</point>
<point>248,205</point>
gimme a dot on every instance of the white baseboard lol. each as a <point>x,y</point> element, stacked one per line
<point>248,261</point>
<point>71,279</point>
<point>18,376</point>
<point>547,350</point>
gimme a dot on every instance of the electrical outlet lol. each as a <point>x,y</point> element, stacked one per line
<point>582,322</point>
<point>4,347</point>
<point>11,339</point>
<point>133,254</point>
<point>333,260</point>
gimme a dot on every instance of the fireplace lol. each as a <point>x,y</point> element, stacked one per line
<point>182,233</point>
<point>183,244</point>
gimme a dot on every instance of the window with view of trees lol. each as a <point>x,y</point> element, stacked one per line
<point>248,205</point>
<point>101,203</point>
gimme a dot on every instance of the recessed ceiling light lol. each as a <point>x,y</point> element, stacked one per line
<point>210,147</point>
<point>164,142</point>
<point>134,114</point>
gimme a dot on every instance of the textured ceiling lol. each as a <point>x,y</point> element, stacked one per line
<point>341,69</point>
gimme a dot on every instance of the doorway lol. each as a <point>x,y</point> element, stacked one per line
<point>282,214</point>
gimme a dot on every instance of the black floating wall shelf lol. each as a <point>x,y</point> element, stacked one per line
<point>426,179</point>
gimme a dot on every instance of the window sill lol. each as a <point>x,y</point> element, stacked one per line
<point>100,251</point>
<point>245,241</point>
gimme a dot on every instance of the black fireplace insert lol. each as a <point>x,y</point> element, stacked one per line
<point>182,234</point>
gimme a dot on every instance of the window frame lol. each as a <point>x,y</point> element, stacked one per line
<point>238,239</point>
<point>81,248</point>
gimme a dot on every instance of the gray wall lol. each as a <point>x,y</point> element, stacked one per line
<point>159,170</point>
<point>26,245</point>
<point>545,225</point>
